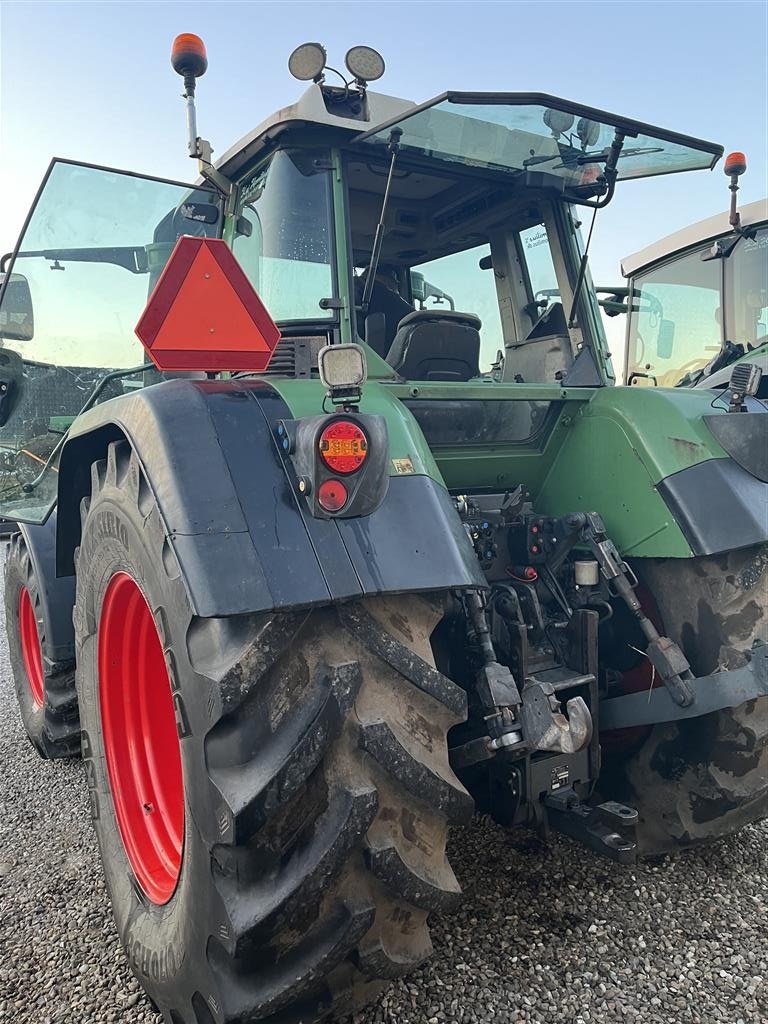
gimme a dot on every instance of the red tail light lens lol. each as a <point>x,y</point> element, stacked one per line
<point>332,495</point>
<point>343,447</point>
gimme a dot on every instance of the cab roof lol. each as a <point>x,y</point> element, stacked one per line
<point>692,235</point>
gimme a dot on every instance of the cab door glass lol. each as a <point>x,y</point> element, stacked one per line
<point>91,252</point>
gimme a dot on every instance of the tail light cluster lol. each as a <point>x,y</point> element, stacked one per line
<point>341,462</point>
<point>343,447</point>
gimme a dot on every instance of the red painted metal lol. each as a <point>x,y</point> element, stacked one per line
<point>31,651</point>
<point>141,740</point>
<point>204,314</point>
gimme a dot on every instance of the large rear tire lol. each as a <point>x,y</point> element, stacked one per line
<point>45,688</point>
<point>704,778</point>
<point>298,870</point>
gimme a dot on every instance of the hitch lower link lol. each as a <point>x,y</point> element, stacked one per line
<point>531,721</point>
<point>663,653</point>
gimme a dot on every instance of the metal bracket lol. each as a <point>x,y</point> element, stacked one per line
<point>609,829</point>
<point>204,154</point>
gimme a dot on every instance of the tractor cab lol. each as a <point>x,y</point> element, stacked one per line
<point>448,239</point>
<point>445,237</point>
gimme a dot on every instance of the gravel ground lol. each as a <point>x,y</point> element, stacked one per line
<point>546,933</point>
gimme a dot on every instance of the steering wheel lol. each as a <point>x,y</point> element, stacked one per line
<point>680,372</point>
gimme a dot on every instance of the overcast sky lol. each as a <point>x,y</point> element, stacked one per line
<point>92,81</point>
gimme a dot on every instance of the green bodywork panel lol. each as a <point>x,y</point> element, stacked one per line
<point>603,450</point>
<point>623,443</point>
<point>406,441</point>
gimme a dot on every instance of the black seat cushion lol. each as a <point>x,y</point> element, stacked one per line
<point>434,344</point>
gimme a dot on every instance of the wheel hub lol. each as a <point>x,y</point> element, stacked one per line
<point>141,739</point>
<point>30,647</point>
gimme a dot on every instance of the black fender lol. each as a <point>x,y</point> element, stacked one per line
<point>243,537</point>
<point>57,594</point>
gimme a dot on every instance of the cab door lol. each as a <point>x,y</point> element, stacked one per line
<point>90,253</point>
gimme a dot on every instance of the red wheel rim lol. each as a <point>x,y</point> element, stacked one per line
<point>30,647</point>
<point>141,740</point>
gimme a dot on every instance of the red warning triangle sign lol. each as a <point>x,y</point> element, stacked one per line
<point>204,314</point>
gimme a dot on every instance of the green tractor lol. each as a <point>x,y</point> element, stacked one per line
<point>306,595</point>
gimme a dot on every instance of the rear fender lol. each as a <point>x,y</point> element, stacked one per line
<point>243,537</point>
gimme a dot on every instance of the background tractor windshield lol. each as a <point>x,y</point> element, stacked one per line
<point>91,252</point>
<point>674,326</point>
<point>684,311</point>
<point>746,291</point>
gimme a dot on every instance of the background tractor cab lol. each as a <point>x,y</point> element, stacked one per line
<point>697,300</point>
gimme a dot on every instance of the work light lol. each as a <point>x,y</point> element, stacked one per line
<point>365,63</point>
<point>307,62</point>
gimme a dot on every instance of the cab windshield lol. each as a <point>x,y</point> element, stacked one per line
<point>521,132</point>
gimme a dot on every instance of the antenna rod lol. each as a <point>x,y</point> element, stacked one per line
<point>394,148</point>
<point>189,96</point>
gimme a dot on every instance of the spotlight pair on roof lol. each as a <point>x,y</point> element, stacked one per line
<point>309,61</point>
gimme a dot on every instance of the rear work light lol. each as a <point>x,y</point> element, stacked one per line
<point>343,447</point>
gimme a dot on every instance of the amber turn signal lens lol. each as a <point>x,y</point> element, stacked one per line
<point>332,495</point>
<point>188,56</point>
<point>735,163</point>
<point>343,446</point>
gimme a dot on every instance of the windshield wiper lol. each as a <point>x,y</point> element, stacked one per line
<point>131,257</point>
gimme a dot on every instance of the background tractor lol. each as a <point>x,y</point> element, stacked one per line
<point>697,302</point>
<point>309,573</point>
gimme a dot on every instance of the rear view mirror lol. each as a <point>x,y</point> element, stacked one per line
<point>16,317</point>
<point>666,340</point>
<point>418,287</point>
<point>11,376</point>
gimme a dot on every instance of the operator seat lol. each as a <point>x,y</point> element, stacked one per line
<point>435,344</point>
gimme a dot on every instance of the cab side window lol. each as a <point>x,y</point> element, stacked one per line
<point>284,235</point>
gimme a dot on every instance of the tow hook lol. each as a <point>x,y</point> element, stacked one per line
<point>545,726</point>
